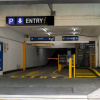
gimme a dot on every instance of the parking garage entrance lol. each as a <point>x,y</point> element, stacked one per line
<point>46,62</point>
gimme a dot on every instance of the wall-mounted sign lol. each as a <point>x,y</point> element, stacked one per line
<point>42,38</point>
<point>70,38</point>
<point>62,59</point>
<point>30,20</point>
<point>90,44</point>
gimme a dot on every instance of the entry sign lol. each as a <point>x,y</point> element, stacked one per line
<point>29,20</point>
<point>42,38</point>
<point>1,56</point>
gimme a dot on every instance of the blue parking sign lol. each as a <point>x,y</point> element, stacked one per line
<point>11,21</point>
<point>20,20</point>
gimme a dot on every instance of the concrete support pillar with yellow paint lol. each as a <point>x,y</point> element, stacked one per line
<point>59,65</point>
<point>24,56</point>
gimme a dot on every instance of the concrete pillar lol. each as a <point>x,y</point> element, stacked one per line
<point>97,52</point>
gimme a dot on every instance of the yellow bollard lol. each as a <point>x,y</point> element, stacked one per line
<point>74,64</point>
<point>58,64</point>
<point>60,67</point>
<point>70,67</point>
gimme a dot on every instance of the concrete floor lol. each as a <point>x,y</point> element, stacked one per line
<point>40,71</point>
<point>80,86</point>
<point>48,86</point>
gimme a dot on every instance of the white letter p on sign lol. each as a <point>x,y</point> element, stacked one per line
<point>10,20</point>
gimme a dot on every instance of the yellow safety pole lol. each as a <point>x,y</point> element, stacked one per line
<point>60,67</point>
<point>24,56</point>
<point>70,67</point>
<point>74,64</point>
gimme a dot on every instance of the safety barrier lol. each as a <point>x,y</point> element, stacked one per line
<point>72,67</point>
<point>71,64</point>
<point>60,66</point>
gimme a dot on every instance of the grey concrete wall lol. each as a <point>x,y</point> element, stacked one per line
<point>34,58</point>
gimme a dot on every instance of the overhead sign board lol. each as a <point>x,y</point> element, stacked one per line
<point>42,38</point>
<point>70,38</point>
<point>29,20</point>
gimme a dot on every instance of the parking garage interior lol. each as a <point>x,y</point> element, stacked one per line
<point>32,66</point>
<point>41,61</point>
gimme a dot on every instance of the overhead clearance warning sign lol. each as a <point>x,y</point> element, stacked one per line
<point>30,20</point>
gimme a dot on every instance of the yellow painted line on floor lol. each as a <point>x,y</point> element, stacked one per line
<point>54,76</point>
<point>84,73</point>
<point>31,73</point>
<point>22,76</point>
<point>43,77</point>
<point>13,76</point>
<point>32,76</point>
<point>59,74</point>
<point>86,76</point>
<point>95,71</point>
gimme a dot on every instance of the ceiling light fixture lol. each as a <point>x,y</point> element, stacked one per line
<point>74,29</point>
<point>49,33</point>
<point>44,29</point>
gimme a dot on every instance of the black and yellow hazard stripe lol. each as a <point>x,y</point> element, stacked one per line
<point>80,73</point>
<point>40,77</point>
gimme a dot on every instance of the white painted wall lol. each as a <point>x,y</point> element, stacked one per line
<point>12,58</point>
<point>33,60</point>
<point>66,14</point>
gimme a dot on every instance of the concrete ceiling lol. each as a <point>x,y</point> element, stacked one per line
<point>58,31</point>
<point>2,2</point>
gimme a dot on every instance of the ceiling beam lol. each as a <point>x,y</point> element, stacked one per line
<point>52,42</point>
<point>9,2</point>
